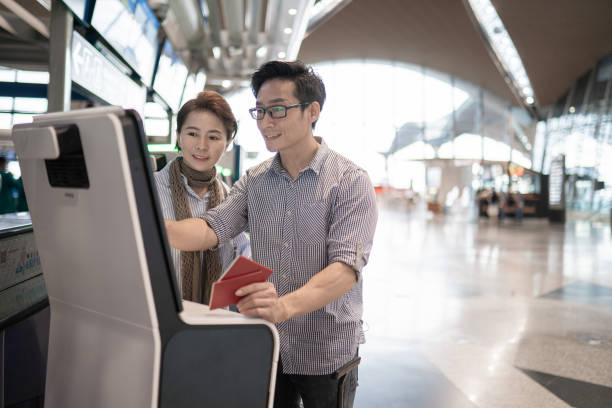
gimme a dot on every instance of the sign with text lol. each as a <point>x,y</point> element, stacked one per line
<point>94,72</point>
<point>556,198</point>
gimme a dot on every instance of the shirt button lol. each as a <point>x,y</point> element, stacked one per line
<point>288,212</point>
<point>286,245</point>
<point>291,184</point>
<point>284,276</point>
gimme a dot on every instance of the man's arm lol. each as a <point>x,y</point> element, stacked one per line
<point>191,234</point>
<point>261,299</point>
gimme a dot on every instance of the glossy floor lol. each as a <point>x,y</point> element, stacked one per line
<point>461,312</point>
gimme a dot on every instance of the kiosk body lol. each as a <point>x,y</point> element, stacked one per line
<point>119,333</point>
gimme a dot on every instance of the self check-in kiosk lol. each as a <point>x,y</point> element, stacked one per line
<point>119,334</point>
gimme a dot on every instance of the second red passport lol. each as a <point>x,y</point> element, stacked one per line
<point>241,272</point>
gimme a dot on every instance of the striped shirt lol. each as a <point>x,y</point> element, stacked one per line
<point>198,209</point>
<point>298,227</point>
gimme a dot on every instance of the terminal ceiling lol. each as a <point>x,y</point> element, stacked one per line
<point>558,40</point>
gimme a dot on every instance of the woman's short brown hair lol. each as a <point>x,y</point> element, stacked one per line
<point>214,103</point>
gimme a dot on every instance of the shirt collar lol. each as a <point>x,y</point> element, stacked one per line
<point>315,164</point>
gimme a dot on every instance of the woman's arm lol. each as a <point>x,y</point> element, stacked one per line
<point>191,234</point>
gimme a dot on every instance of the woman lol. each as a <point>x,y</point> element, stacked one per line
<point>188,186</point>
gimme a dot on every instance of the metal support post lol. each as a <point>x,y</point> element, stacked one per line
<point>60,44</point>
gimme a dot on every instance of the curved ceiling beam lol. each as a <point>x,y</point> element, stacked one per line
<point>26,16</point>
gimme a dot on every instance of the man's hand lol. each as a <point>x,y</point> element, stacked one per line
<point>261,300</point>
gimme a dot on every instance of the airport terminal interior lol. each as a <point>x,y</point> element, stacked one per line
<point>485,127</point>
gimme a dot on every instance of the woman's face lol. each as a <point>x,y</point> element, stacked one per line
<point>202,139</point>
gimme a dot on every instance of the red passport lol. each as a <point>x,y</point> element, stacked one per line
<point>241,272</point>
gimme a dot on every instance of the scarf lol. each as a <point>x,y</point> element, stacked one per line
<point>197,275</point>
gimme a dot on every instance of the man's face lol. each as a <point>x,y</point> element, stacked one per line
<point>290,132</point>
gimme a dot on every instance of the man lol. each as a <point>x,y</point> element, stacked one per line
<point>9,187</point>
<point>312,215</point>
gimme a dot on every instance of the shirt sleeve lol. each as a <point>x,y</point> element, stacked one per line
<point>243,245</point>
<point>230,218</point>
<point>163,194</point>
<point>353,221</point>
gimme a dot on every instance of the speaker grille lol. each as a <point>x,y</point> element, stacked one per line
<point>69,169</point>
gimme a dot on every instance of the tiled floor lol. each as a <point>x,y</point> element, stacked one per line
<point>472,313</point>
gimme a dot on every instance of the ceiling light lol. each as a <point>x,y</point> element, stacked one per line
<point>226,83</point>
<point>235,51</point>
<point>281,54</point>
<point>288,30</point>
<point>292,12</point>
<point>262,52</point>
<point>216,52</point>
<point>502,45</point>
<point>572,109</point>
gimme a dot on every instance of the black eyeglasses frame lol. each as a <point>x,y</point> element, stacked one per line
<point>254,111</point>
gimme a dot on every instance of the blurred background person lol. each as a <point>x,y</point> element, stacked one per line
<point>10,189</point>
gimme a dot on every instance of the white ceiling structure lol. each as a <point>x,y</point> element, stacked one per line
<point>229,39</point>
<point>558,40</point>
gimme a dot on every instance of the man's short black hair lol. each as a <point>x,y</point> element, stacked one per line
<point>308,86</point>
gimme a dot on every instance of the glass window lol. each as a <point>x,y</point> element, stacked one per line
<point>248,136</point>
<point>408,116</point>
<point>33,105</point>
<point>6,103</point>
<point>495,118</point>
<point>154,110</point>
<point>7,75</point>
<point>437,98</point>
<point>519,157</point>
<point>33,77</point>
<point>169,81</point>
<point>407,95</point>
<point>539,145</point>
<point>466,146</point>
<point>6,121</point>
<point>496,151</point>
<point>156,127</point>
<point>22,118</point>
<point>378,101</point>
<point>194,85</point>
<point>416,151</point>
<point>407,174</point>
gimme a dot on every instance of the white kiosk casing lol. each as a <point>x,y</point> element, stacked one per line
<point>120,335</point>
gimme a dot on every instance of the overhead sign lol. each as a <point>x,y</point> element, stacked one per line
<point>77,7</point>
<point>131,28</point>
<point>556,198</point>
<point>91,70</point>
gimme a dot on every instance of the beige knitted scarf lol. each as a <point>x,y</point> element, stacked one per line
<point>197,274</point>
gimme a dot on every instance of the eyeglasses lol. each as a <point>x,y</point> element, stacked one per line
<point>276,111</point>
